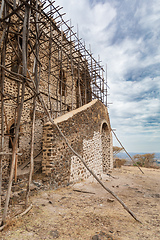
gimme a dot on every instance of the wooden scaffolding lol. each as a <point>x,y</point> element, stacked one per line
<point>39,51</point>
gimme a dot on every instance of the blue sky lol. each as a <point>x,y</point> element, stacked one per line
<point>126,35</point>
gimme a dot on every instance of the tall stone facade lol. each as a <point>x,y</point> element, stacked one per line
<point>60,89</point>
<point>89,133</point>
<point>60,70</point>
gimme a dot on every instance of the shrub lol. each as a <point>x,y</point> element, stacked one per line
<point>118,162</point>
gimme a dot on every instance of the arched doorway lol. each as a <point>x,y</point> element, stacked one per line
<point>106,147</point>
<point>11,132</point>
<point>11,135</point>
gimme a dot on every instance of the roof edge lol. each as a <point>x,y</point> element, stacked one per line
<point>70,114</point>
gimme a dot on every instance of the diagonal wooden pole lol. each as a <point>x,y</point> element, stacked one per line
<point>2,79</point>
<point>84,163</point>
<point>34,111</point>
<point>126,151</point>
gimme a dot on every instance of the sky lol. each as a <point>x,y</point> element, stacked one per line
<point>126,35</point>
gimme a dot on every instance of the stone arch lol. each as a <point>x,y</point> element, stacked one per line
<point>106,146</point>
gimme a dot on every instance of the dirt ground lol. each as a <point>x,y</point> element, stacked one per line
<point>94,214</point>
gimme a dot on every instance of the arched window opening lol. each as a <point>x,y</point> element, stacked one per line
<point>17,58</point>
<point>86,86</point>
<point>62,82</point>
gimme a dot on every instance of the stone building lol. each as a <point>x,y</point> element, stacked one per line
<point>34,36</point>
<point>89,133</point>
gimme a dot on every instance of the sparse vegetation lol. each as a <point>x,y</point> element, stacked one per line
<point>145,160</point>
<point>116,150</point>
<point>117,162</point>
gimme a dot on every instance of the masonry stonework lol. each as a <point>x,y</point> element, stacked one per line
<point>61,71</point>
<point>89,133</point>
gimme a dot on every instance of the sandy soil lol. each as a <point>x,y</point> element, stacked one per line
<point>68,214</point>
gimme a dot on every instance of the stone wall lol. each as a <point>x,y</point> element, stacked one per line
<point>89,133</point>
<point>60,104</point>
<point>24,140</point>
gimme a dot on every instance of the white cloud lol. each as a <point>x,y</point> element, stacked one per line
<point>92,20</point>
<point>126,35</point>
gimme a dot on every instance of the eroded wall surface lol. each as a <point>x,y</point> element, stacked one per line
<point>89,133</point>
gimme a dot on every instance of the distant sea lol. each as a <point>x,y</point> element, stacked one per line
<point>123,155</point>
